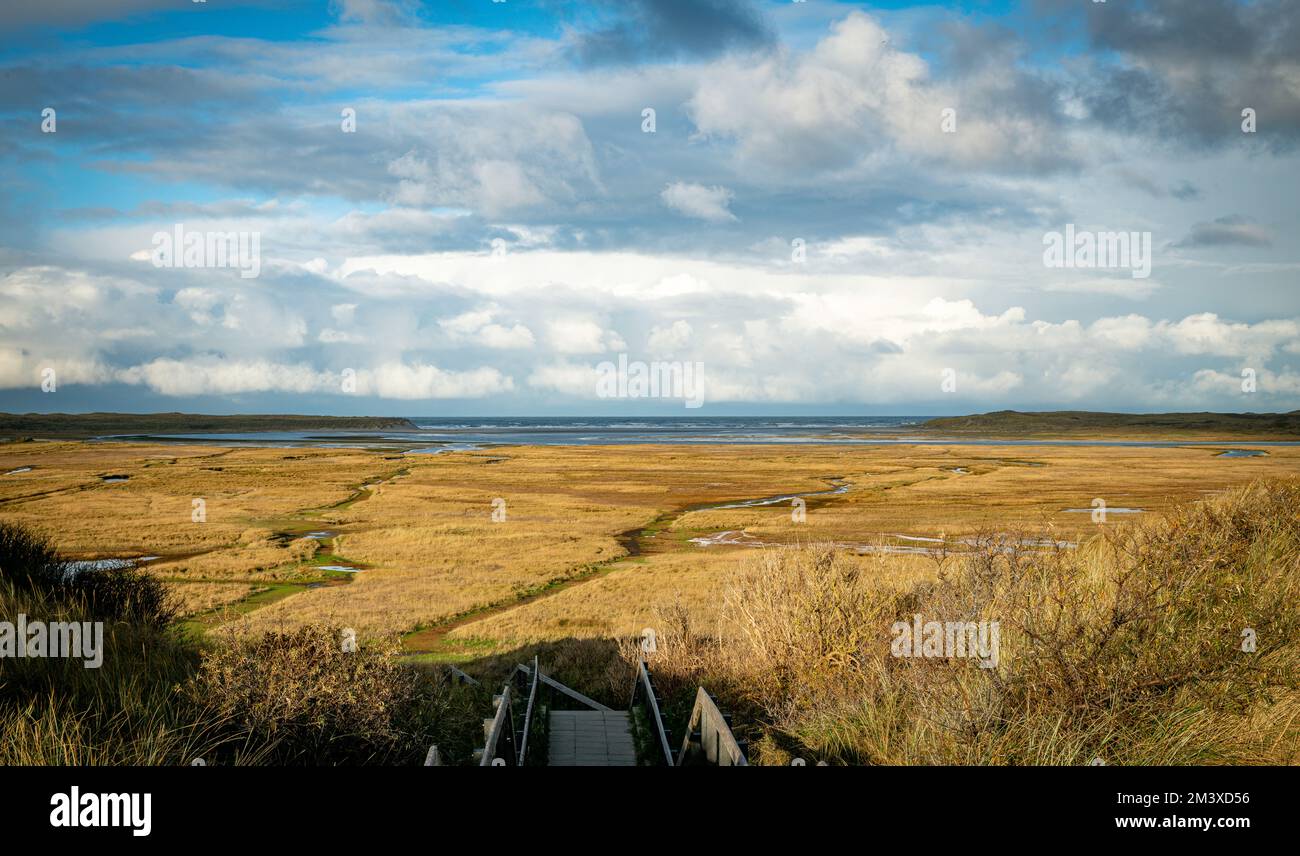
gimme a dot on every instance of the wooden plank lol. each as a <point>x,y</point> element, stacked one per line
<point>591,738</point>
<point>574,694</point>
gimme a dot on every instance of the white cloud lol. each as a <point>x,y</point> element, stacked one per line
<point>20,369</point>
<point>331,336</point>
<point>1206,333</point>
<point>570,379</point>
<point>401,381</point>
<point>853,95</point>
<point>1267,382</point>
<point>492,159</point>
<point>199,303</point>
<point>1125,287</point>
<point>477,327</point>
<point>576,335</point>
<point>764,334</point>
<point>499,336</point>
<point>214,376</point>
<point>696,200</point>
<point>666,341</point>
<point>1127,332</point>
<point>224,377</point>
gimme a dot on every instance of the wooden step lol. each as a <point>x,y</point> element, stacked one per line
<point>591,738</point>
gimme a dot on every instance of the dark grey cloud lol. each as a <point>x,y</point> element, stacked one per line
<point>1182,190</point>
<point>1175,30</point>
<point>115,110</point>
<point>673,29</point>
<point>966,46</point>
<point>1185,71</point>
<point>75,14</point>
<point>16,14</point>
<point>1227,232</point>
<point>161,86</point>
<point>1139,181</point>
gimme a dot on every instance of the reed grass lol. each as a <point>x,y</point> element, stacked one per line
<point>1132,649</point>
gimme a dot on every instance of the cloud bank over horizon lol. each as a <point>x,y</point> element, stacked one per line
<point>466,210</point>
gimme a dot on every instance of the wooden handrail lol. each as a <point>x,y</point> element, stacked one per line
<point>568,691</point>
<point>528,714</point>
<point>652,705</point>
<point>497,731</point>
<point>719,745</point>
<point>462,677</point>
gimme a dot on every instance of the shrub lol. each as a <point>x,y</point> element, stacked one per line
<point>318,704</point>
<point>120,594</point>
<point>27,559</point>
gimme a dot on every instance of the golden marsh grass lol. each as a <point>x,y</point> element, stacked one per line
<point>424,532</point>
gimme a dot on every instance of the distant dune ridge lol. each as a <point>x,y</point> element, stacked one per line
<point>93,424</point>
<point>1008,422</point>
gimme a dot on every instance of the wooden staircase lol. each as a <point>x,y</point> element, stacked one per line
<point>528,717</point>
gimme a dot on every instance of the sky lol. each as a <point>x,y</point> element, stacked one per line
<point>478,208</point>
